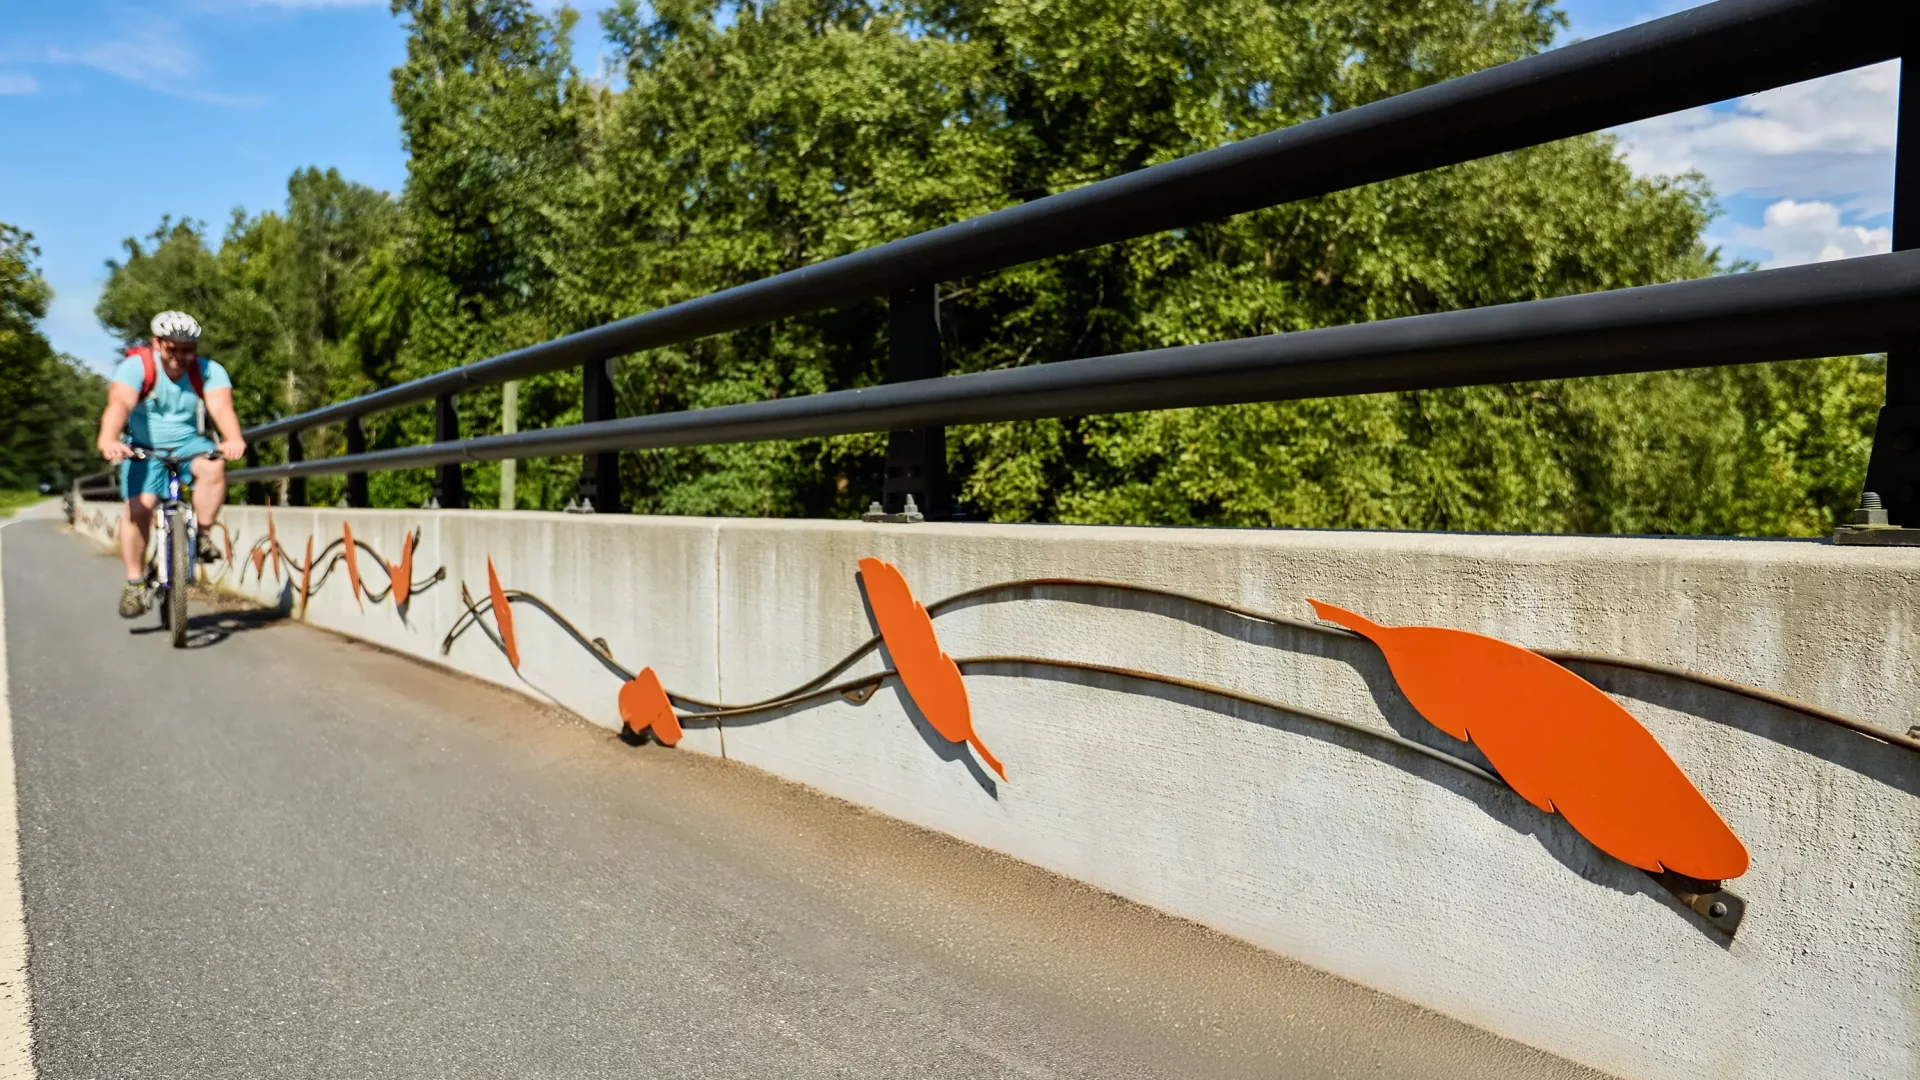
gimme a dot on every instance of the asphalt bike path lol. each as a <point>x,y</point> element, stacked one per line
<point>281,853</point>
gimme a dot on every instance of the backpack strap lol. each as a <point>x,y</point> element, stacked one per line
<point>150,373</point>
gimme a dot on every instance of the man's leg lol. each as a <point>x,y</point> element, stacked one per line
<point>134,525</point>
<point>209,491</point>
<point>133,552</point>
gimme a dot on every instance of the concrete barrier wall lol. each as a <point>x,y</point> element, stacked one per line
<point>1354,855</point>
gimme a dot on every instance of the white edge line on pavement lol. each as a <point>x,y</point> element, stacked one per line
<point>16,1000</point>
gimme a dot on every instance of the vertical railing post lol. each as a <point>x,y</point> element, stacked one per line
<point>356,481</point>
<point>1893,472</point>
<point>509,423</point>
<point>916,457</point>
<point>599,473</point>
<point>449,487</point>
<point>296,485</point>
<point>256,491</point>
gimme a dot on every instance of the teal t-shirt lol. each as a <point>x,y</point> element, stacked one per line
<point>171,414</point>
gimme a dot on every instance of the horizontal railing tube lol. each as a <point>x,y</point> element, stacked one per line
<point>1855,305</point>
<point>1710,53</point>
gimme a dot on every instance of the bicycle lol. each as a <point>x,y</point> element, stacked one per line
<point>174,554</point>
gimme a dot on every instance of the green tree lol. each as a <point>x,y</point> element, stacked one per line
<point>488,118</point>
<point>282,300</point>
<point>740,140</point>
<point>49,400</point>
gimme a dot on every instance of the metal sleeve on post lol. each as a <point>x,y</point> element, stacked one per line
<point>256,491</point>
<point>357,481</point>
<point>1893,470</point>
<point>599,471</point>
<point>296,482</point>
<point>917,456</point>
<point>449,485</point>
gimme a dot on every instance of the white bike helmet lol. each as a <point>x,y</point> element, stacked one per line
<point>176,326</point>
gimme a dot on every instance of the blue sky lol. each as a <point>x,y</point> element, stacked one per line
<point>236,94</point>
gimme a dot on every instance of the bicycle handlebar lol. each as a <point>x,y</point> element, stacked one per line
<point>146,453</point>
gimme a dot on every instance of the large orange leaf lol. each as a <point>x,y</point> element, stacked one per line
<point>502,616</point>
<point>1564,745</point>
<point>401,576</point>
<point>353,563</point>
<point>273,546</point>
<point>306,576</point>
<point>644,704</point>
<point>931,677</point>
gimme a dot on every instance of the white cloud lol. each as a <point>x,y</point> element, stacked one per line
<point>1831,137</point>
<point>1796,232</point>
<point>14,82</point>
<point>152,52</point>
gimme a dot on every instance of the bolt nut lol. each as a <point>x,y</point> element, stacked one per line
<point>1718,909</point>
<point>1871,512</point>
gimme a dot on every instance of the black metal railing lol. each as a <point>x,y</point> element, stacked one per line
<point>1708,54</point>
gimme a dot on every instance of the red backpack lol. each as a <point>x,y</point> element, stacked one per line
<point>150,374</point>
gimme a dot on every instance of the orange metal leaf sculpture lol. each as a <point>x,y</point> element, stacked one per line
<point>502,616</point>
<point>1561,743</point>
<point>259,561</point>
<point>226,538</point>
<point>931,677</point>
<point>353,564</point>
<point>306,576</point>
<point>401,575</point>
<point>644,704</point>
<point>273,546</point>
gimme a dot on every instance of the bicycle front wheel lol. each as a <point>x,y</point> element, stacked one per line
<point>179,552</point>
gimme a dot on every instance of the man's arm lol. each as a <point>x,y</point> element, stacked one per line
<point>121,399</point>
<point>220,407</point>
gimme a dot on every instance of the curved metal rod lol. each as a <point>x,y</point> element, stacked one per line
<point>475,610</point>
<point>1093,583</point>
<point>975,662</point>
<point>1567,656</point>
<point>467,599</point>
<point>414,587</point>
<point>1561,656</point>
<point>848,689</point>
<point>1558,656</point>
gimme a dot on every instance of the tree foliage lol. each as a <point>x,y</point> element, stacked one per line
<point>734,140</point>
<point>45,397</point>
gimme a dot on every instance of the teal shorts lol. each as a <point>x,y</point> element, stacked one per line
<point>150,477</point>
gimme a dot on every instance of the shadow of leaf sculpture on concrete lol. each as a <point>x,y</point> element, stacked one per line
<point>1556,740</point>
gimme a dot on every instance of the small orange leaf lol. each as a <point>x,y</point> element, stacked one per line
<point>259,560</point>
<point>353,564</point>
<point>306,576</point>
<point>931,677</point>
<point>502,615</point>
<point>226,538</point>
<point>273,546</point>
<point>1561,742</point>
<point>644,704</point>
<point>402,575</point>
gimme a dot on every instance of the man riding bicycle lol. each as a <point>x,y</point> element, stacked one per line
<point>154,402</point>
